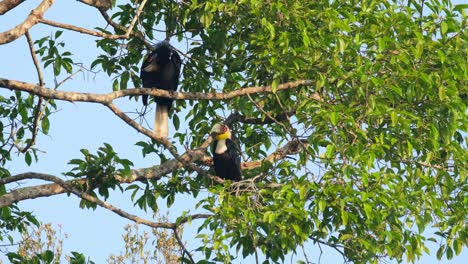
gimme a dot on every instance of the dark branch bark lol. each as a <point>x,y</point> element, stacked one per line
<point>7,5</point>
<point>31,20</point>
<point>104,4</point>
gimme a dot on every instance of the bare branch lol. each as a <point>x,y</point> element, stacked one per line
<point>7,5</point>
<point>81,30</point>
<point>37,111</point>
<point>155,137</point>
<point>107,98</point>
<point>104,4</point>
<point>135,18</point>
<point>40,76</point>
<point>68,186</point>
<point>181,244</point>
<point>31,20</point>
<point>138,35</point>
<point>93,32</point>
<point>155,172</point>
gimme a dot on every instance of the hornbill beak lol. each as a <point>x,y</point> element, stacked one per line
<point>152,65</point>
<point>214,134</point>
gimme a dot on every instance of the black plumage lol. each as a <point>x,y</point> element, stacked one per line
<point>226,157</point>
<point>161,69</point>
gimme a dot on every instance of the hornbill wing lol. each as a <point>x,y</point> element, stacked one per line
<point>177,63</point>
<point>145,77</point>
<point>236,160</point>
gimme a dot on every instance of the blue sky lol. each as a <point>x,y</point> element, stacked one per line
<point>97,233</point>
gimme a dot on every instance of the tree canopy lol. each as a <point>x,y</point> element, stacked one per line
<point>351,117</point>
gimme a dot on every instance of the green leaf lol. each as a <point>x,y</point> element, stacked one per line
<point>440,252</point>
<point>28,158</point>
<point>334,116</point>
<point>460,7</point>
<point>449,253</point>
<point>176,121</point>
<point>344,217</point>
<point>58,33</point>
<point>274,85</point>
<point>45,125</point>
<point>443,27</point>
<point>115,85</point>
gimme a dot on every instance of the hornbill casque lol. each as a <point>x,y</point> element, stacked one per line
<point>161,70</point>
<point>226,158</point>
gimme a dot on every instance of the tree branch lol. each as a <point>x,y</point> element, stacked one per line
<point>105,4</point>
<point>138,35</point>
<point>31,20</point>
<point>135,18</point>
<point>155,137</point>
<point>81,30</point>
<point>181,244</point>
<point>107,98</point>
<point>93,32</point>
<point>237,117</point>
<point>68,186</point>
<point>155,172</point>
<point>37,111</point>
<point>7,5</point>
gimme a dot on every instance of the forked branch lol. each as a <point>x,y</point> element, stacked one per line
<point>33,18</point>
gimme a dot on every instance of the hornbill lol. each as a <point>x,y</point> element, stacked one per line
<point>226,156</point>
<point>161,69</point>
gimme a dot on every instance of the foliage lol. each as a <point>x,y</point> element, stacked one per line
<point>100,171</point>
<point>142,247</point>
<point>384,170</point>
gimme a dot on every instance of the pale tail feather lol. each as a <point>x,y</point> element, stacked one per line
<point>161,120</point>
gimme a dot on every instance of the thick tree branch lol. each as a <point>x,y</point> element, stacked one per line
<point>107,98</point>
<point>31,20</point>
<point>68,186</point>
<point>7,5</point>
<point>156,173</point>
<point>97,33</point>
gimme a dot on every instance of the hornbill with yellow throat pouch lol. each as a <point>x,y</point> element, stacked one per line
<point>226,158</point>
<point>161,69</point>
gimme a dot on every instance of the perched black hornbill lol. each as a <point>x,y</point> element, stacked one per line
<point>161,69</point>
<point>226,156</point>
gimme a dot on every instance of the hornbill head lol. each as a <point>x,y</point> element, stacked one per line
<point>161,56</point>
<point>220,132</point>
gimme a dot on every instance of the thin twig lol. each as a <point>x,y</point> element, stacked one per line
<point>35,60</point>
<point>181,244</point>
<point>135,18</point>
<point>138,35</point>
<point>37,110</point>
